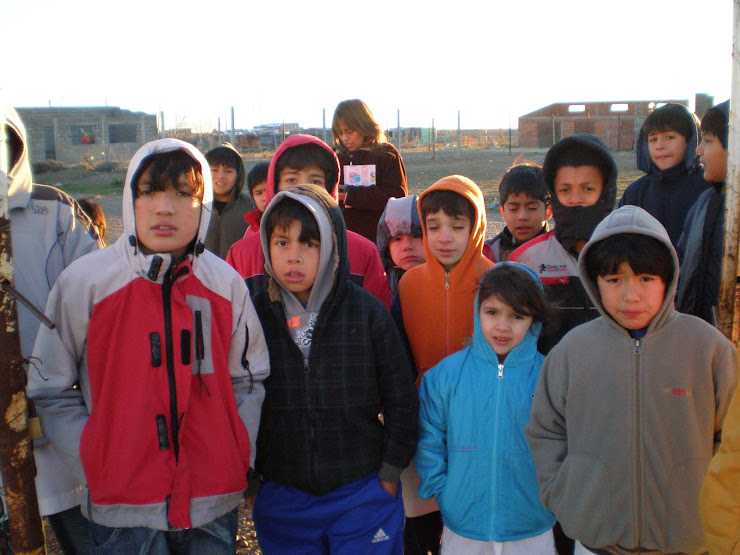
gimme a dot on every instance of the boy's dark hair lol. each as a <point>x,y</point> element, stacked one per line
<point>257,175</point>
<point>96,215</point>
<point>524,178</point>
<point>286,212</point>
<point>451,203</point>
<point>576,157</point>
<point>644,254</point>
<point>517,288</point>
<point>167,167</point>
<point>224,155</point>
<point>305,155</point>
<point>716,122</point>
<point>669,117</point>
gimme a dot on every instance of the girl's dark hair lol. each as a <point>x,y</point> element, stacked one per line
<point>517,288</point>
<point>304,155</point>
<point>451,203</point>
<point>287,211</point>
<point>644,254</point>
<point>167,167</point>
<point>670,117</point>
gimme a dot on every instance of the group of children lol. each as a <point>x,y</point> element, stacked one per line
<point>284,367</point>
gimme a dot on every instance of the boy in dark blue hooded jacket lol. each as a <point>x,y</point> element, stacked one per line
<point>673,180</point>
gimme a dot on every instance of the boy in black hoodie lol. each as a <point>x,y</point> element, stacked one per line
<point>581,176</point>
<point>331,464</point>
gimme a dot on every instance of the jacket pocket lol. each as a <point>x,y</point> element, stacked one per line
<point>463,493</point>
<point>683,531</point>
<point>520,509</point>
<point>582,499</point>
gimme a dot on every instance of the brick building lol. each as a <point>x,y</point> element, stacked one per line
<point>616,123</point>
<point>95,134</point>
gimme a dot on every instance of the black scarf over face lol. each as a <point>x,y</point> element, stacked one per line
<point>577,223</point>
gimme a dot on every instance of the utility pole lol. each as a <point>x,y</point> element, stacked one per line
<point>729,305</point>
<point>398,130</point>
<point>16,447</point>
<point>459,137</point>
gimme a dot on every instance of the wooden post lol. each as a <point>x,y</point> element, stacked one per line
<point>729,299</point>
<point>16,448</point>
<point>398,129</point>
<point>433,138</point>
<point>459,137</point>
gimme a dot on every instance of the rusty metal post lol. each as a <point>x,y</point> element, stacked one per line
<point>729,294</point>
<point>16,448</point>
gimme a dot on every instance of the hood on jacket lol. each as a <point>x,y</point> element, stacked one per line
<point>20,180</point>
<point>400,217</point>
<point>576,223</point>
<point>227,152</point>
<point>145,264</point>
<point>631,219</point>
<point>483,349</point>
<point>691,159</point>
<point>333,271</point>
<point>332,185</point>
<point>471,192</point>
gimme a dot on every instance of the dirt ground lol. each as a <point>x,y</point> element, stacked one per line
<point>484,166</point>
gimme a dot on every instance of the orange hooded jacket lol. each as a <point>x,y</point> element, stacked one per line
<point>438,306</point>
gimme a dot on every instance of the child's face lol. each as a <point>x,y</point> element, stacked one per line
<point>447,237</point>
<point>407,251</point>
<point>524,215</point>
<point>312,175</point>
<point>667,148</point>
<point>224,180</point>
<point>503,328</point>
<point>294,263</point>
<point>258,195</point>
<point>351,139</point>
<point>166,221</point>
<point>581,186</point>
<point>631,299</point>
<point>713,158</point>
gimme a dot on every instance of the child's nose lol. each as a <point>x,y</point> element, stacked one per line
<point>164,202</point>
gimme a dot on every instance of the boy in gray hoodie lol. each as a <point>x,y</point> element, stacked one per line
<point>629,406</point>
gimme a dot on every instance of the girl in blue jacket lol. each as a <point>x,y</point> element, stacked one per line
<point>472,455</point>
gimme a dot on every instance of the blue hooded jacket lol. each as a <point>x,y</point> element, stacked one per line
<point>472,453</point>
<point>668,194</point>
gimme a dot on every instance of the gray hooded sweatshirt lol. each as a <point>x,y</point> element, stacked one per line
<point>622,430</point>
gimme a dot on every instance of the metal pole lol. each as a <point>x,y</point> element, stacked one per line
<point>233,129</point>
<point>323,124</point>
<point>398,130</point>
<point>729,303</point>
<point>459,137</point>
<point>433,138</point>
<point>509,133</point>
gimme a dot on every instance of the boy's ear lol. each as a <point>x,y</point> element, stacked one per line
<point>548,212</point>
<point>501,209</point>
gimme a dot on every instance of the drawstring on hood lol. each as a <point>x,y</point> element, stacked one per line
<point>576,223</point>
<point>154,266</point>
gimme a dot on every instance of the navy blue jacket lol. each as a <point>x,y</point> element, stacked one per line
<point>667,195</point>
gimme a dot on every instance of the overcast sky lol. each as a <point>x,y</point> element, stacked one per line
<point>287,60</point>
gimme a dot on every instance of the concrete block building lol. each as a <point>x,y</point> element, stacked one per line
<point>92,134</point>
<point>617,123</point>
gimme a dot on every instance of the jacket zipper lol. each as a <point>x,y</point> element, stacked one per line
<point>494,459</point>
<point>638,442</point>
<point>167,283</point>
<point>447,315</point>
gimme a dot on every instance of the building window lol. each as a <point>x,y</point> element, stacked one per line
<point>82,135</point>
<point>123,133</point>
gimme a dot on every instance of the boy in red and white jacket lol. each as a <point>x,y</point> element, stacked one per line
<point>164,342</point>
